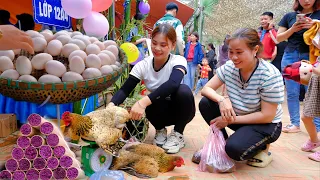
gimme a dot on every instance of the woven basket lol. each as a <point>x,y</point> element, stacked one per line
<point>60,93</point>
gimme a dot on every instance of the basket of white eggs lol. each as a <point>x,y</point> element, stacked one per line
<point>66,67</point>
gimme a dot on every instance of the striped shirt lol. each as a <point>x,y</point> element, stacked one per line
<point>266,84</point>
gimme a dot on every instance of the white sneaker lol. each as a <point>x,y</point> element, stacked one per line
<point>160,137</point>
<point>174,142</point>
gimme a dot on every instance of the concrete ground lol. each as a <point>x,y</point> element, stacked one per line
<point>289,162</point>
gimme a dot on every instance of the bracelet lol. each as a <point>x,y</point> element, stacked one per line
<point>141,105</point>
<point>224,97</point>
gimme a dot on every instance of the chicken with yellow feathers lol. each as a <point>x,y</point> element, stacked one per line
<point>102,126</point>
<point>145,160</point>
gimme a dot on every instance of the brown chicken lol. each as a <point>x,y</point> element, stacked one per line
<point>102,126</point>
<point>146,160</point>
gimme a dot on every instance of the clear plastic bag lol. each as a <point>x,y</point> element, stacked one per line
<point>213,155</point>
<point>107,175</point>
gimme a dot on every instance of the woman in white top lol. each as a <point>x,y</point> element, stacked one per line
<point>170,102</point>
<point>252,107</point>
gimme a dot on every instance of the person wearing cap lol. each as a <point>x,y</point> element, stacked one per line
<point>170,17</point>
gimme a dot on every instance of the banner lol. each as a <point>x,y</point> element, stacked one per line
<point>50,12</point>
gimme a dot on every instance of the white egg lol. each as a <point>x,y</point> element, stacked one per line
<point>80,53</point>
<point>82,38</point>
<point>27,78</point>
<point>38,61</point>
<point>105,59</point>
<point>60,33</point>
<point>54,47</point>
<point>64,39</point>
<point>114,67</point>
<point>93,49</point>
<point>93,61</point>
<point>76,33</point>
<point>39,44</point>
<point>47,36</point>
<point>5,63</point>
<point>56,68</point>
<point>118,63</point>
<point>113,58</point>
<point>8,53</point>
<point>93,39</point>
<point>109,42</point>
<point>23,65</point>
<point>34,34</point>
<point>79,43</point>
<point>71,76</point>
<point>100,44</point>
<point>48,78</point>
<point>114,49</point>
<point>76,64</point>
<point>90,73</point>
<point>48,31</point>
<point>106,69</point>
<point>68,49</point>
<point>11,74</point>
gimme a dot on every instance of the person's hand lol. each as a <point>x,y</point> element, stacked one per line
<point>13,38</point>
<point>226,110</point>
<point>137,111</point>
<point>297,26</point>
<point>308,24</point>
<point>271,25</point>
<point>219,122</point>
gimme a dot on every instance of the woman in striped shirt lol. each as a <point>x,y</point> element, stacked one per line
<point>252,107</point>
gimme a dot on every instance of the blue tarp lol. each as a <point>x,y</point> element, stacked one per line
<point>23,109</point>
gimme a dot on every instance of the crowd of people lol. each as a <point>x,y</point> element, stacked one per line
<point>248,68</point>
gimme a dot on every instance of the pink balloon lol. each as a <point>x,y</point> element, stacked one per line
<point>100,5</point>
<point>96,25</point>
<point>77,9</point>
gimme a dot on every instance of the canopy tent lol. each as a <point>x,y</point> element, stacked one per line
<point>157,10</point>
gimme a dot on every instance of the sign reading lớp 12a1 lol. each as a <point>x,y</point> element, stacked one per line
<point>50,12</point>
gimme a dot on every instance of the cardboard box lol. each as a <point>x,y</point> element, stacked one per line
<point>8,124</point>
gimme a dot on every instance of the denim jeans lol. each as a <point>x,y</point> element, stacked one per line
<point>293,88</point>
<point>189,77</point>
<point>201,82</point>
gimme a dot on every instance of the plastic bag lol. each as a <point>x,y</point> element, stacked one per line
<point>213,155</point>
<point>107,175</point>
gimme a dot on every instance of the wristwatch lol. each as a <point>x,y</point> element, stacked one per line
<point>0,34</point>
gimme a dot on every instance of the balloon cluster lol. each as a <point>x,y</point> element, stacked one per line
<point>94,23</point>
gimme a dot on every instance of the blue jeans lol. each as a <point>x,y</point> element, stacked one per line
<point>189,77</point>
<point>200,84</point>
<point>293,88</point>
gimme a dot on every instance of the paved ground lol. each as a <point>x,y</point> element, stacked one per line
<point>289,161</point>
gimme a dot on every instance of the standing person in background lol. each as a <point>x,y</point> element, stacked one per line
<point>170,18</point>
<point>268,34</point>
<point>4,17</point>
<point>223,52</point>
<point>211,56</point>
<point>134,36</point>
<point>25,22</point>
<point>280,51</point>
<point>296,50</point>
<point>193,53</point>
<point>204,74</point>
